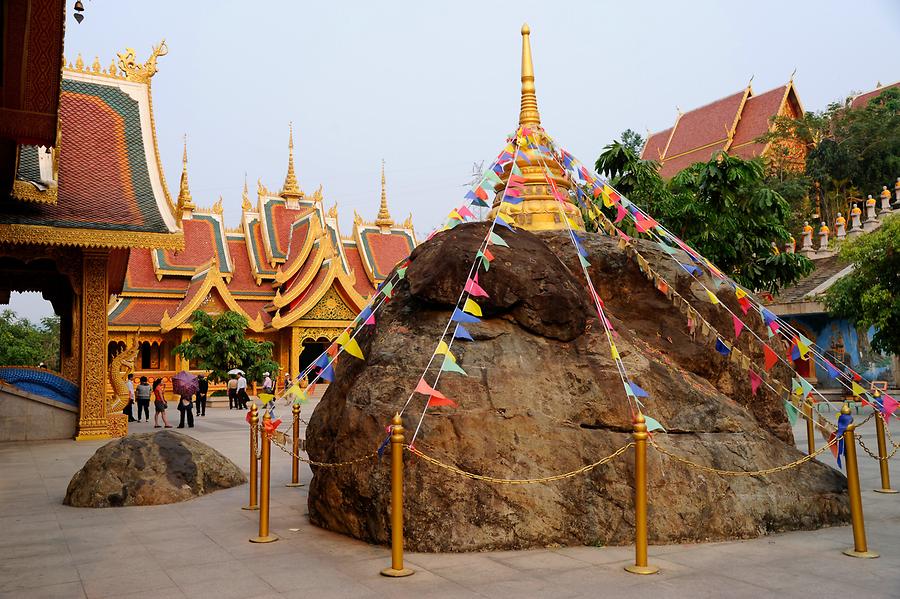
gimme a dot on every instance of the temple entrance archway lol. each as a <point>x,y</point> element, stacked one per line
<point>312,349</point>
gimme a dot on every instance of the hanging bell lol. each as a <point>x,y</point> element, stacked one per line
<point>79,7</point>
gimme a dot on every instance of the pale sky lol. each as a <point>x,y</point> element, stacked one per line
<point>433,87</point>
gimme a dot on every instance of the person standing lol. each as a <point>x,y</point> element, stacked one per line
<point>268,386</point>
<point>129,409</point>
<point>202,389</point>
<point>287,380</point>
<point>159,403</point>
<point>232,391</point>
<point>186,407</point>
<point>143,393</point>
<point>242,396</point>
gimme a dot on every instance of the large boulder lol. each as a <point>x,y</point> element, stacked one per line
<point>542,397</point>
<point>151,469</point>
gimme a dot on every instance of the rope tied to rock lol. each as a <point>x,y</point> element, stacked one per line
<point>520,481</point>
<point>764,472</point>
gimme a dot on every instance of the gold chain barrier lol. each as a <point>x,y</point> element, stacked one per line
<point>254,424</point>
<point>295,450</point>
<point>764,472</point>
<point>264,472</point>
<point>519,481</point>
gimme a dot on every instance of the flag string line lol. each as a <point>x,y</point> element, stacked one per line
<point>683,245</point>
<point>723,276</point>
<point>484,244</point>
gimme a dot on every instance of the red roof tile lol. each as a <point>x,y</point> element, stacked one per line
<point>672,167</point>
<point>242,279</point>
<point>862,99</point>
<point>354,260</point>
<point>280,219</point>
<point>141,276</point>
<point>656,145</point>
<point>142,311</point>
<point>299,231</point>
<point>255,308</point>
<point>758,110</point>
<point>199,244</point>
<point>706,124</point>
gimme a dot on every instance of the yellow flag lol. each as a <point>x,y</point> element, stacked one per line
<point>740,293</point>
<point>712,297</point>
<point>804,349</point>
<point>352,348</point>
<point>343,338</point>
<point>607,200</point>
<point>615,352</point>
<point>472,308</point>
<point>441,348</point>
<point>857,389</point>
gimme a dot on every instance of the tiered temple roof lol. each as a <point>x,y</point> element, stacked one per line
<point>286,262</point>
<point>860,100</point>
<point>730,124</point>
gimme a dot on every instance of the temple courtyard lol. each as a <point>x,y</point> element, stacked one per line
<point>200,548</point>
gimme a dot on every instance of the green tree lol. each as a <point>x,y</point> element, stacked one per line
<point>723,208</point>
<point>218,344</point>
<point>23,343</point>
<point>870,295</point>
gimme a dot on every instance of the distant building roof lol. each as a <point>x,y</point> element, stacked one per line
<point>732,124</point>
<point>864,98</point>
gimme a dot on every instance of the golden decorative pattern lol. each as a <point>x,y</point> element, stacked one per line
<point>141,73</point>
<point>45,235</point>
<point>92,421</point>
<point>316,333</point>
<point>23,190</point>
<point>330,307</point>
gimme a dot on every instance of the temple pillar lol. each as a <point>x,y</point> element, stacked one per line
<point>295,351</point>
<point>93,420</point>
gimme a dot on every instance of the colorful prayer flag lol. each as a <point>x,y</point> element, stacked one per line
<point>450,365</point>
<point>461,333</point>
<point>770,357</point>
<point>471,307</point>
<point>460,316</point>
<point>497,240</point>
<point>755,381</point>
<point>722,348</point>
<point>738,326</point>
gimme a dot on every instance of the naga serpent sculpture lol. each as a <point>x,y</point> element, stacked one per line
<point>121,364</point>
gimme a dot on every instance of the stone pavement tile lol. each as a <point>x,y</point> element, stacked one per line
<point>421,584</point>
<point>66,590</point>
<point>27,577</point>
<point>125,582</point>
<point>190,572</point>
<point>241,586</point>
<point>136,561</point>
<point>540,560</point>
<point>164,593</point>
<point>599,555</point>
<point>82,552</point>
<point>469,574</point>
<point>705,585</point>
<point>28,548</point>
<point>435,561</point>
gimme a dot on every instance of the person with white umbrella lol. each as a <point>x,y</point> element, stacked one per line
<point>242,397</point>
<point>232,388</point>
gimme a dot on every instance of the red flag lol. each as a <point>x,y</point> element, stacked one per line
<point>770,356</point>
<point>738,326</point>
<point>745,304</point>
<point>481,194</point>
<point>271,425</point>
<point>620,213</point>
<point>473,288</point>
<point>755,381</point>
<point>834,448</point>
<point>487,254</point>
<point>435,398</point>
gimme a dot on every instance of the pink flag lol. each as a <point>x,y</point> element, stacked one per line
<point>755,381</point>
<point>465,212</point>
<point>473,288</point>
<point>370,320</point>
<point>620,213</point>
<point>643,223</point>
<point>738,326</point>
<point>890,406</point>
<point>435,398</point>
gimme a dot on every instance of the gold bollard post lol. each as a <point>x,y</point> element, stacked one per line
<point>295,458</point>
<point>860,549</point>
<point>265,459</point>
<point>640,499</point>
<point>810,431</point>
<point>882,450</point>
<point>397,570</point>
<point>254,422</point>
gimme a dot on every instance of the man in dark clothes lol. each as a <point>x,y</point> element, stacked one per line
<point>202,390</point>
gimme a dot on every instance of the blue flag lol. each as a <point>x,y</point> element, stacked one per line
<point>844,421</point>
<point>460,316</point>
<point>462,333</point>
<point>722,348</point>
<point>327,374</point>
<point>321,361</point>
<point>638,392</point>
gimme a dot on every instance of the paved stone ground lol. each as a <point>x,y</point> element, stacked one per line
<point>200,548</point>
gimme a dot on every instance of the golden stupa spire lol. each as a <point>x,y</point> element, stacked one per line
<point>185,203</point>
<point>245,196</point>
<point>528,114</point>
<point>291,188</point>
<point>384,219</point>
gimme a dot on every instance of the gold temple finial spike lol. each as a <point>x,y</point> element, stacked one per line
<point>528,114</point>
<point>185,202</point>
<point>384,219</point>
<point>291,187</point>
<point>245,196</point>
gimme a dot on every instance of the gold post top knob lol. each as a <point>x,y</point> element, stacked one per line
<point>525,29</point>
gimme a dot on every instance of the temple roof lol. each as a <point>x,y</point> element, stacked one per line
<point>287,262</point>
<point>102,185</point>
<point>862,99</point>
<point>732,124</point>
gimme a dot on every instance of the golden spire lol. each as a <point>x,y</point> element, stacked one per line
<point>245,196</point>
<point>384,219</point>
<point>291,188</point>
<point>528,115</point>
<point>185,203</point>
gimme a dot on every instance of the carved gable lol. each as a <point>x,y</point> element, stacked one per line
<point>330,307</point>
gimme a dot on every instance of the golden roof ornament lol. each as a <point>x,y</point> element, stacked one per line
<point>261,190</point>
<point>318,196</point>
<point>142,73</point>
<point>217,206</point>
<point>333,212</point>
<point>245,196</point>
<point>291,188</point>
<point>185,204</point>
<point>528,113</point>
<point>384,219</point>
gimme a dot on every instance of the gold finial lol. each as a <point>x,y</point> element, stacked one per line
<point>217,206</point>
<point>528,114</point>
<point>95,67</point>
<point>291,188</point>
<point>384,219</point>
<point>141,72</point>
<point>185,202</point>
<point>79,62</point>
<point>113,69</point>
<point>245,196</point>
